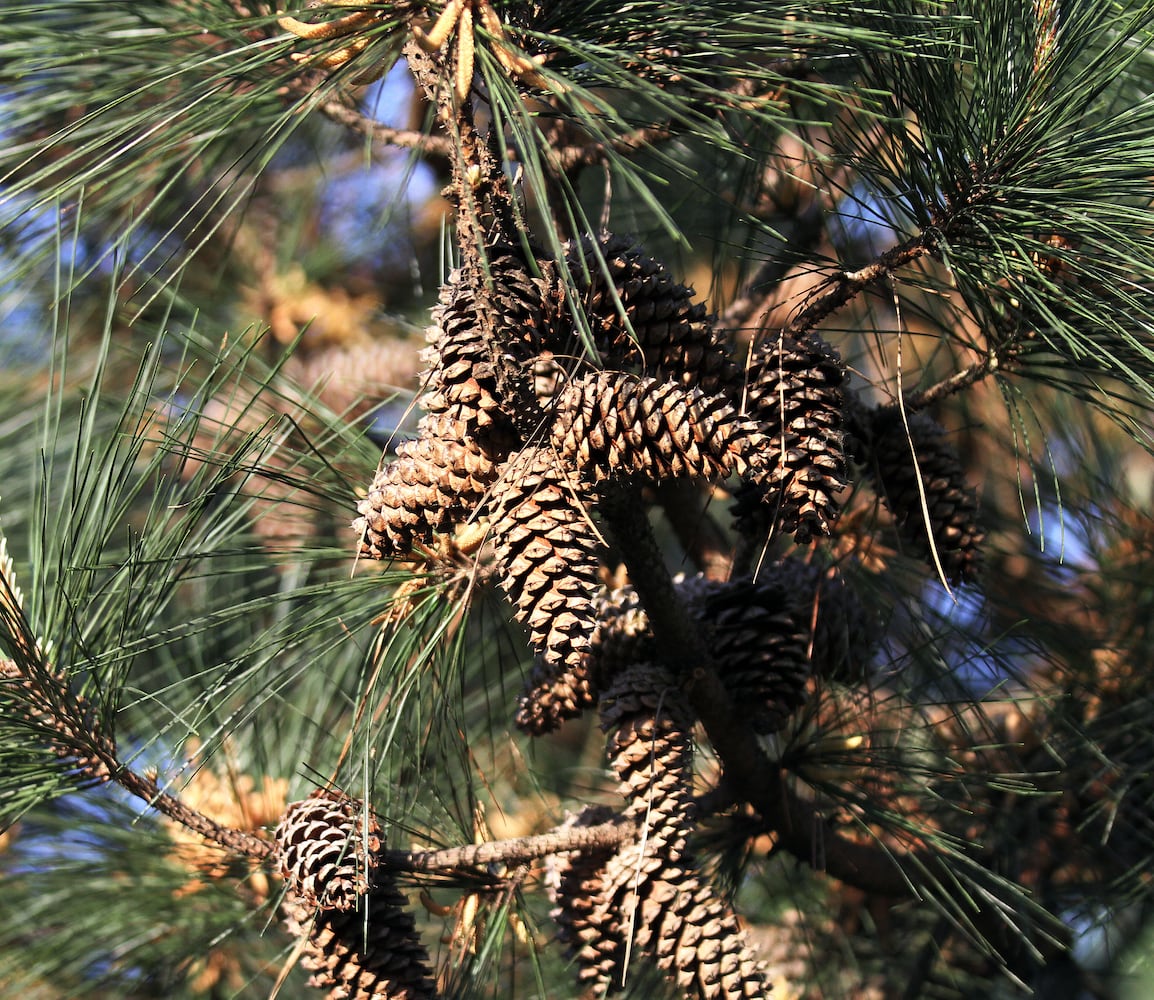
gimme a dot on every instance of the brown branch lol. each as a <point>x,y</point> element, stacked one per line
<point>702,538</point>
<point>235,840</point>
<point>749,776</point>
<point>847,285</point>
<point>431,145</point>
<point>956,382</point>
<point>73,733</point>
<point>605,837</point>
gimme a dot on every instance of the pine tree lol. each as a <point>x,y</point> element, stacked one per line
<point>519,499</point>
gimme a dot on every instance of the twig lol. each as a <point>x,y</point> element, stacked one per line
<point>431,145</point>
<point>239,841</point>
<point>955,383</point>
<point>848,284</point>
<point>603,837</point>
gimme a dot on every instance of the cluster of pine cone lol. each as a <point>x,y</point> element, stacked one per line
<point>537,400</point>
<point>650,893</point>
<point>523,427</point>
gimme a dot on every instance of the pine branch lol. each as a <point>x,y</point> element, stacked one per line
<point>77,740</point>
<point>604,837</point>
<point>847,285</point>
<point>682,646</point>
<point>336,110</point>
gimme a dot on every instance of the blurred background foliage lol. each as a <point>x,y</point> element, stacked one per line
<point>216,265</point>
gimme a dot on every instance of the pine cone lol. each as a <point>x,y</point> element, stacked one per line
<point>652,885</point>
<point>794,392</point>
<point>434,482</point>
<point>651,750</point>
<point>952,505</point>
<point>845,634</point>
<point>371,952</point>
<point>621,638</point>
<point>611,424</point>
<point>548,554</point>
<point>671,339</point>
<point>320,844</point>
<point>488,324</point>
<point>759,633</point>
<point>693,935</point>
<point>591,934</point>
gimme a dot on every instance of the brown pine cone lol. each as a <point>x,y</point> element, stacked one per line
<point>652,886</point>
<point>488,323</point>
<point>611,424</point>
<point>668,337</point>
<point>591,934</point>
<point>371,952</point>
<point>435,481</point>
<point>547,550</point>
<point>650,748</point>
<point>621,638</point>
<point>321,845</point>
<point>794,393</point>
<point>693,935</point>
<point>952,506</point>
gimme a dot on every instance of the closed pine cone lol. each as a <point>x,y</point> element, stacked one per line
<point>611,424</point>
<point>371,952</point>
<point>434,482</point>
<point>794,392</point>
<point>951,504</point>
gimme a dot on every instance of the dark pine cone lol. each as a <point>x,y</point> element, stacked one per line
<point>794,392</point>
<point>759,634</point>
<point>952,506</point>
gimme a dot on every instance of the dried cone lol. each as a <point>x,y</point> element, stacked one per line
<point>845,635</point>
<point>548,554</point>
<point>653,886</point>
<point>371,952</point>
<point>951,505</point>
<point>672,339</point>
<point>759,633</point>
<point>361,940</point>
<point>489,322</point>
<point>554,694</point>
<point>320,843</point>
<point>651,751</point>
<point>612,424</point>
<point>794,392</point>
<point>690,932</point>
<point>591,934</point>
<point>434,482</point>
